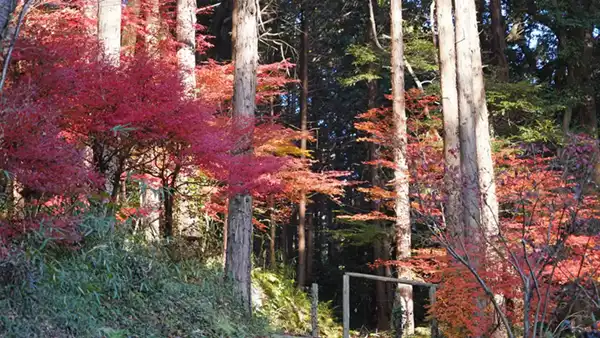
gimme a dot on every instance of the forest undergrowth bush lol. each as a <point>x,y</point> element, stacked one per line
<point>113,286</point>
<point>288,308</point>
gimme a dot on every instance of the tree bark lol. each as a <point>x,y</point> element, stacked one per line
<point>310,246</point>
<point>401,175</point>
<point>7,8</point>
<point>499,41</point>
<point>152,23</point>
<point>129,38</point>
<point>225,228</point>
<point>109,30</point>
<point>479,190</point>
<point>239,236</point>
<point>447,57</point>
<point>273,234</point>
<point>380,251</point>
<point>485,163</point>
<point>301,274</point>
<point>186,38</point>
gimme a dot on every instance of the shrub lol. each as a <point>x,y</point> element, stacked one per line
<point>288,308</point>
<point>115,287</point>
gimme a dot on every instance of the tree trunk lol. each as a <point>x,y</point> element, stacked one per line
<point>239,236</point>
<point>310,246</point>
<point>301,274</point>
<point>447,57</point>
<point>90,13</point>
<point>109,30</point>
<point>129,38</point>
<point>499,41</point>
<point>225,228</point>
<point>468,147</point>
<point>379,249</point>
<point>479,190</point>
<point>468,150</point>
<point>273,234</point>
<point>485,163</point>
<point>186,38</point>
<point>7,8</point>
<point>401,175</point>
<point>109,38</point>
<point>152,18</point>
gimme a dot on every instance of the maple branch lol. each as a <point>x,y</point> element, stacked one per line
<point>486,289</point>
<point>12,44</point>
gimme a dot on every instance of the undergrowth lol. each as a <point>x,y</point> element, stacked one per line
<point>288,308</point>
<point>115,286</point>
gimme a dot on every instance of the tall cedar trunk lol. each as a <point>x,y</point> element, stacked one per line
<point>90,12</point>
<point>109,39</point>
<point>310,245</point>
<point>186,38</point>
<point>490,221</point>
<point>485,163</point>
<point>239,236</point>
<point>447,57</point>
<point>479,190</point>
<point>152,23</point>
<point>272,234</point>
<point>499,40</point>
<point>272,222</point>
<point>150,199</point>
<point>129,38</point>
<point>481,7</point>
<point>381,296</point>
<point>468,150</point>
<point>225,228</point>
<point>7,8</point>
<point>186,63</point>
<point>589,101</point>
<point>301,274</point>
<point>401,175</point>
<point>109,30</point>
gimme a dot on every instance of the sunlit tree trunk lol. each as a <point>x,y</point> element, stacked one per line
<point>90,12</point>
<point>129,38</point>
<point>402,228</point>
<point>152,24</point>
<point>485,163</point>
<point>447,58</point>
<point>499,40</point>
<point>151,199</point>
<point>109,30</point>
<point>109,39</point>
<point>239,235</point>
<point>301,274</point>
<point>186,38</point>
<point>479,190</point>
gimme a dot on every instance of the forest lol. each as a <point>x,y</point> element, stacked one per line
<point>300,168</point>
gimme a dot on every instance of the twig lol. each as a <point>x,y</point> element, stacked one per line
<point>12,44</point>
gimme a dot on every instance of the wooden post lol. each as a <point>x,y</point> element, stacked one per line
<point>434,326</point>
<point>346,306</point>
<point>314,310</point>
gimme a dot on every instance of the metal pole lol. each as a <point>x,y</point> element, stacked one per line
<point>434,325</point>
<point>314,310</point>
<point>346,306</point>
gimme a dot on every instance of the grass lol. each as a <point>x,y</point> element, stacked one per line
<point>115,287</point>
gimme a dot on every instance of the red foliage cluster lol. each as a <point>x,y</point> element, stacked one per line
<point>73,121</point>
<point>544,209</point>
